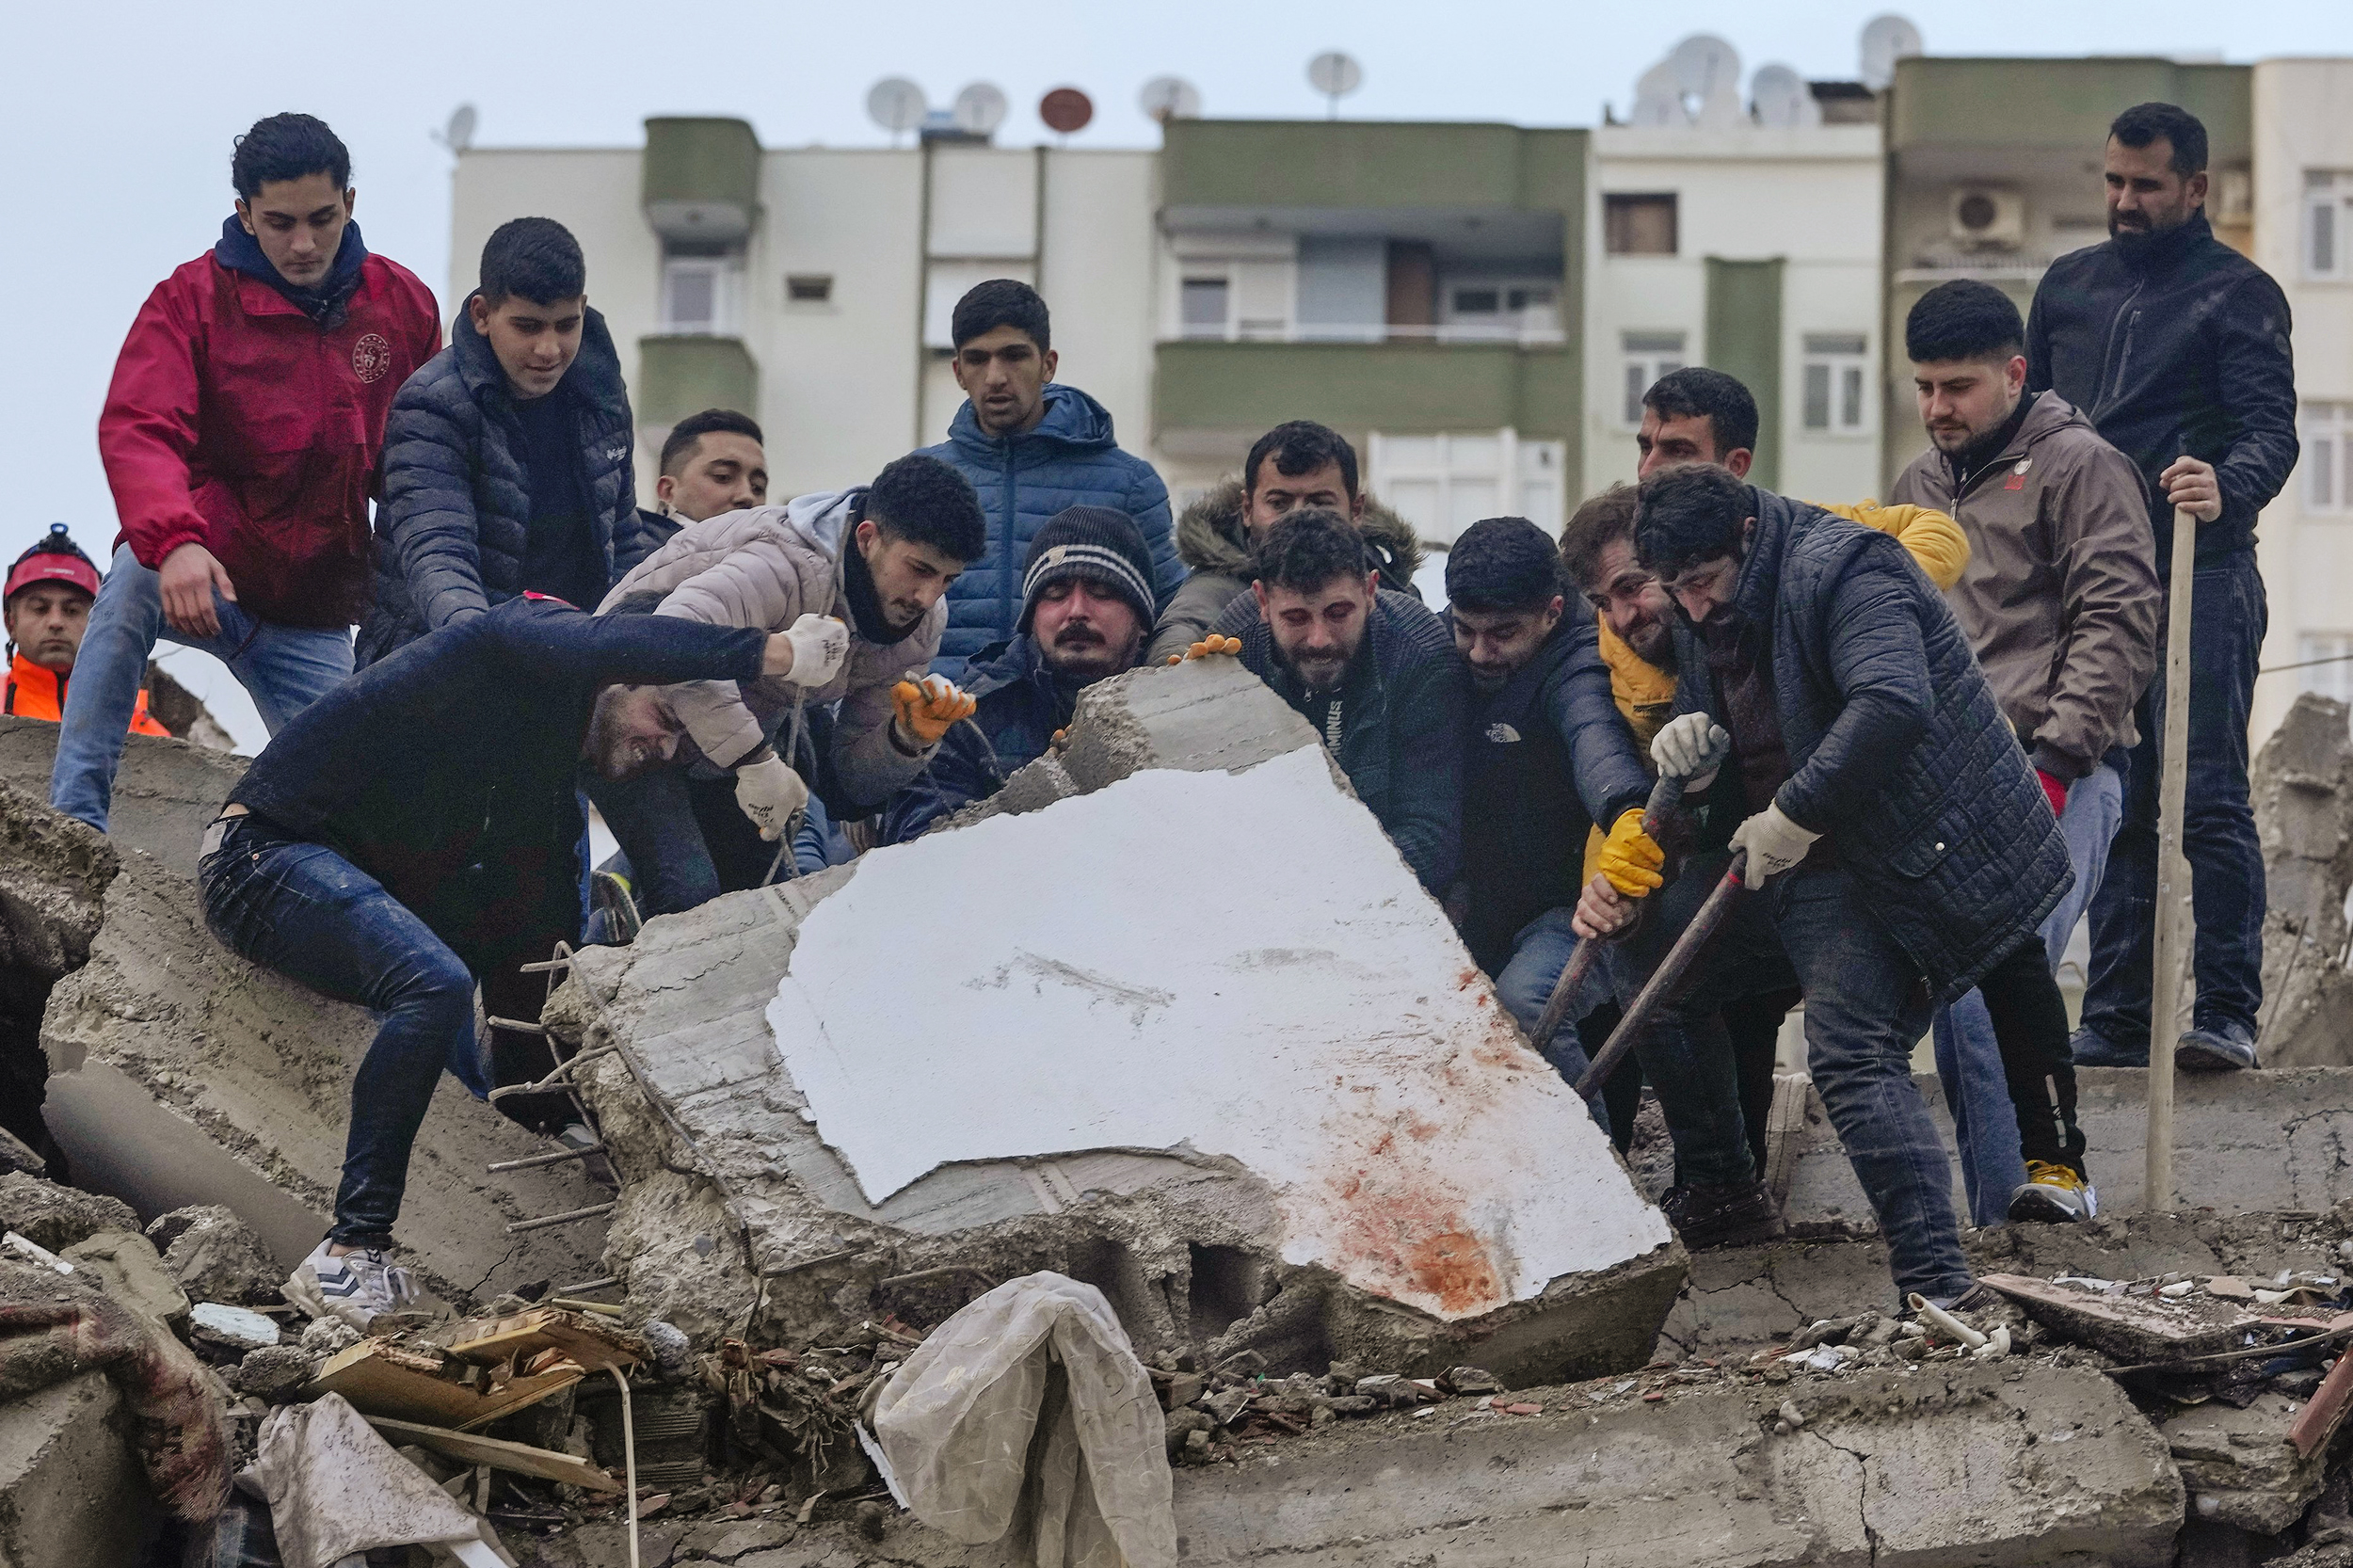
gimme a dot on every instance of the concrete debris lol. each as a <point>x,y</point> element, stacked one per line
<point>231,1327</point>
<point>2302,784</point>
<point>127,1269</point>
<point>57,1217</point>
<point>216,1257</point>
<point>1217,1212</point>
<point>2238,1466</point>
<point>70,1493</point>
<point>272,1372</point>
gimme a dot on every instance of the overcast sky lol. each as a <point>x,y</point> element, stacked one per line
<point>121,116</point>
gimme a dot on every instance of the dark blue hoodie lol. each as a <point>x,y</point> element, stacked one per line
<point>1068,460</point>
<point>241,253</point>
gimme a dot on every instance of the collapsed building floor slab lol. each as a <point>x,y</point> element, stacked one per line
<point>179,1074</point>
<point>1440,1192</point>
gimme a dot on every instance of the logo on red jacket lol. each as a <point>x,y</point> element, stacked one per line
<point>370,357</point>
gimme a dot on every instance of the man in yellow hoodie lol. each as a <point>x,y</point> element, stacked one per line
<point>1704,416</point>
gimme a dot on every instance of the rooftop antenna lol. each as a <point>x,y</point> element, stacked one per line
<point>1706,68</point>
<point>1782,99</point>
<point>458,134</point>
<point>1167,98</point>
<point>1335,75</point>
<point>1066,110</point>
<point>1656,101</point>
<point>896,105</point>
<point>1886,39</point>
<point>979,109</point>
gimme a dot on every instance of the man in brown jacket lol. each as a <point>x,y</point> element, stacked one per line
<point>2060,601</point>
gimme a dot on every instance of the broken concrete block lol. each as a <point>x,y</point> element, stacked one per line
<point>2239,1467</point>
<point>127,1269</point>
<point>272,1371</point>
<point>2301,785</point>
<point>180,1074</point>
<point>166,793</point>
<point>1279,1112</point>
<point>57,1217</point>
<point>71,1493</point>
<point>216,1257</point>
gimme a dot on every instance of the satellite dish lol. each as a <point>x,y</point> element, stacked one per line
<point>1065,109</point>
<point>979,109</point>
<point>1704,66</point>
<point>1782,99</point>
<point>1656,101</point>
<point>1335,75</point>
<point>1885,40</point>
<point>458,134</point>
<point>1167,98</point>
<point>896,105</point>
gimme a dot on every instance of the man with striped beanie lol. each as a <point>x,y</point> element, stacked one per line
<point>1086,609</point>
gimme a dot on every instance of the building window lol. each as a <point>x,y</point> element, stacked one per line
<point>2327,658</point>
<point>1836,372</point>
<point>2326,430</point>
<point>703,289</point>
<point>1205,307</point>
<point>1648,357</point>
<point>1442,484</point>
<point>808,288</point>
<point>2328,195</point>
<point>1638,225</point>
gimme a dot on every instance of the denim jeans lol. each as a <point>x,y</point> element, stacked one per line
<point>1865,1004</point>
<point>1968,1056</point>
<point>286,668</point>
<point>2228,617</point>
<point>1538,952</point>
<point>305,911</point>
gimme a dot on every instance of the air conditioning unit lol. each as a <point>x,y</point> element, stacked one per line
<point>1987,218</point>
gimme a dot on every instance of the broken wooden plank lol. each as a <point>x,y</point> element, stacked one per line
<point>499,1454</point>
<point>382,1379</point>
<point>594,1346</point>
<point>2131,1328</point>
<point>2318,1421</point>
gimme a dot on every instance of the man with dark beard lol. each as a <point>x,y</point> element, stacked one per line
<point>1086,607</point>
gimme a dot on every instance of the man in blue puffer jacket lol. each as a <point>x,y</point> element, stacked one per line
<point>1031,448</point>
<point>507,457</point>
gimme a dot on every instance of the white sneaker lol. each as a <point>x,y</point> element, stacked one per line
<point>353,1288</point>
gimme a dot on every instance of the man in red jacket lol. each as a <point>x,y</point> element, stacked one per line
<point>240,435</point>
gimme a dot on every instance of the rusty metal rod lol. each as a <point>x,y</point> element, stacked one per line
<point>569,1217</point>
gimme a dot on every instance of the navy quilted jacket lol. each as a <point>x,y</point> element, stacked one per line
<point>450,531</point>
<point>1069,460</point>
<point>1899,753</point>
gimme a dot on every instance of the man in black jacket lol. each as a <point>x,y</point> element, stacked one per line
<point>1373,671</point>
<point>711,463</point>
<point>416,831</point>
<point>2176,347</point>
<point>507,466</point>
<point>1895,832</point>
<point>1545,757</point>
<point>1086,607</point>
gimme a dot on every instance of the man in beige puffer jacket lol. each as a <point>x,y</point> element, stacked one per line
<point>856,579</point>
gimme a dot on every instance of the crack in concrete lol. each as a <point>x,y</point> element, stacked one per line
<point>1862,1488</point>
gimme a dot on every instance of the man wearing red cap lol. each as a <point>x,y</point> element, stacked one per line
<point>46,604</point>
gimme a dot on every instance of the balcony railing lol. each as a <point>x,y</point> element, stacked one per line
<point>1480,332</point>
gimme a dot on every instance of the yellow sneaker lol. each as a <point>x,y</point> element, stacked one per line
<point>2053,1194</point>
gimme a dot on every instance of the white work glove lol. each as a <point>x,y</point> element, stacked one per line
<point>1690,749</point>
<point>821,645</point>
<point>769,792</point>
<point>1774,844</point>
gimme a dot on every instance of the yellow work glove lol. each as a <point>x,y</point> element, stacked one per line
<point>1630,857</point>
<point>929,708</point>
<point>1213,644</point>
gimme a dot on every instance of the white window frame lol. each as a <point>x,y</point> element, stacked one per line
<point>1842,363</point>
<point>1194,273</point>
<point>2327,658</point>
<point>1526,476</point>
<point>2324,431</point>
<point>1644,356</point>
<point>726,276</point>
<point>2328,211</point>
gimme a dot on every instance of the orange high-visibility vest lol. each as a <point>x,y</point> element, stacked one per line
<point>32,692</point>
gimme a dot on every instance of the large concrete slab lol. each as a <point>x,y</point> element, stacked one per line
<point>165,793</point>
<point>1187,1239</point>
<point>71,1494</point>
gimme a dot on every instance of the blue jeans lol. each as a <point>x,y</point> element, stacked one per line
<point>1968,1058</point>
<point>286,668</point>
<point>1865,1004</point>
<point>2226,621</point>
<point>305,911</point>
<point>1538,952</point>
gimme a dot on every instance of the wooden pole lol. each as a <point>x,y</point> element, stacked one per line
<point>2174,929</point>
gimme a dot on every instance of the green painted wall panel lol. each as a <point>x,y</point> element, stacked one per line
<point>2069,104</point>
<point>702,160</point>
<point>1307,163</point>
<point>682,375</point>
<point>1395,386</point>
<point>1744,341</point>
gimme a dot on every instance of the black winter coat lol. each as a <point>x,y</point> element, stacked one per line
<point>2180,352</point>
<point>1402,712</point>
<point>1901,756</point>
<point>1548,756</point>
<point>452,528</point>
